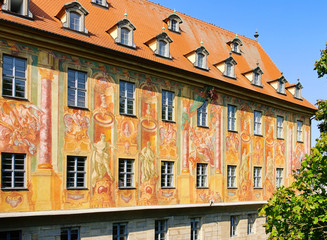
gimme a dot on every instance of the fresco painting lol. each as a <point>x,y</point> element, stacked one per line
<point>103,135</point>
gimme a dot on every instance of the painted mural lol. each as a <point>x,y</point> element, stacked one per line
<point>48,131</point>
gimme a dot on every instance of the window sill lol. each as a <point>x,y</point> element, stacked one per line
<point>256,85</point>
<point>16,98</point>
<point>127,188</point>
<point>128,115</point>
<point>203,126</point>
<point>127,46</point>
<point>280,139</point>
<point>81,188</point>
<point>76,31</point>
<point>100,5</point>
<point>236,52</point>
<point>257,188</point>
<point>168,187</point>
<point>165,57</point>
<point>299,141</point>
<point>258,135</point>
<point>18,15</point>
<point>81,108</point>
<point>169,121</point>
<point>178,32</point>
<point>201,68</point>
<point>234,131</point>
<point>231,187</point>
<point>231,77</point>
<point>202,187</point>
<point>13,189</point>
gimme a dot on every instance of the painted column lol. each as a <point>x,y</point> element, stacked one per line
<point>186,125</point>
<point>45,131</point>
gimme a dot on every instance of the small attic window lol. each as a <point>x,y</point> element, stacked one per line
<point>20,7</point>
<point>257,72</point>
<point>295,89</point>
<point>102,3</point>
<point>298,93</point>
<point>281,85</point>
<point>163,44</point>
<point>72,16</point>
<point>236,44</point>
<point>125,33</point>
<point>174,22</point>
<point>230,67</point>
<point>201,55</point>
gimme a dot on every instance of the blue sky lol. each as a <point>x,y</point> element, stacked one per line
<point>292,33</point>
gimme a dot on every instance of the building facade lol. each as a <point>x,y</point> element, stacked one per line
<point>127,120</point>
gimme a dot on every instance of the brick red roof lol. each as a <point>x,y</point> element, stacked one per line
<point>148,18</point>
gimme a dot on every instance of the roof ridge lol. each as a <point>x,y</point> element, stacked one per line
<point>202,21</point>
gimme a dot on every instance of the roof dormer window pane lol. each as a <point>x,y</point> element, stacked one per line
<point>200,60</point>
<point>236,47</point>
<point>75,21</point>
<point>124,36</point>
<point>174,25</point>
<point>162,48</point>
<point>98,2</point>
<point>16,6</point>
<point>281,87</point>
<point>229,67</point>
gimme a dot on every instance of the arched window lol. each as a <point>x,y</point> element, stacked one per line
<point>174,26</point>
<point>124,36</point>
<point>162,48</point>
<point>75,21</point>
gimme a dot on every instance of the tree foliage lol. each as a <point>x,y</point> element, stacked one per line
<point>300,210</point>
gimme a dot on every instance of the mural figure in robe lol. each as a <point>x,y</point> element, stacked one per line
<point>147,158</point>
<point>100,159</point>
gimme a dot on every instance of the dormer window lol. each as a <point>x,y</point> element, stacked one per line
<point>235,45</point>
<point>162,48</point>
<point>295,89</point>
<point>123,32</point>
<point>72,15</point>
<point>174,22</point>
<point>200,60</point>
<point>257,72</point>
<point>102,3</point>
<point>230,67</point>
<point>298,93</point>
<point>20,7</point>
<point>162,45</point>
<point>201,55</point>
<point>281,86</point>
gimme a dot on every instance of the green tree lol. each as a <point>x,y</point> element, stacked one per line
<point>300,210</point>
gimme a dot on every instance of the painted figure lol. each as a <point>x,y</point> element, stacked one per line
<point>147,158</point>
<point>100,159</point>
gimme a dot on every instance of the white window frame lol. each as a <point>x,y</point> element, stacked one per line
<point>167,174</point>
<point>233,225</point>
<point>251,222</point>
<point>125,99</point>
<point>12,170</point>
<point>75,22</point>
<point>69,232</point>
<point>73,175</point>
<point>231,117</point>
<point>201,175</point>
<point>257,123</point>
<point>168,96</point>
<point>202,115</point>
<point>125,24</point>
<point>76,89</point>
<point>299,131</point>
<point>126,178</point>
<point>119,228</point>
<point>195,228</point>
<point>279,177</point>
<point>231,176</point>
<point>160,231</point>
<point>280,127</point>
<point>257,177</point>
<point>12,78</point>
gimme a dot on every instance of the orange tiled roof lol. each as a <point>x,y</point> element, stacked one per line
<point>148,18</point>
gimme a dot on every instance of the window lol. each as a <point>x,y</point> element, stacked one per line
<point>195,228</point>
<point>251,220</point>
<point>279,177</point>
<point>256,79</point>
<point>167,174</point>
<point>126,173</point>
<point>236,47</point>
<point>201,175</point>
<point>20,7</point>
<point>257,177</point>
<point>76,88</point>
<point>11,235</point>
<point>160,230</point>
<point>231,176</point>
<point>167,105</point>
<point>233,225</point>
<point>124,34</point>
<point>298,93</point>
<point>231,118</point>
<point>103,3</point>
<point>202,115</point>
<point>229,67</point>
<point>200,60</point>
<point>76,174</point>
<point>257,122</point>
<point>14,77</point>
<point>299,131</point>
<point>174,25</point>
<point>162,48</point>
<point>281,86</point>
<point>71,233</point>
<point>126,97</point>
<point>75,22</point>
<point>119,231</point>
<point>13,171</point>
<point>280,132</point>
